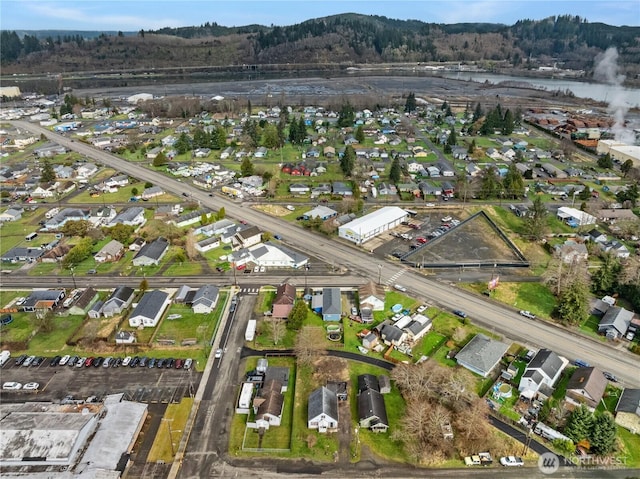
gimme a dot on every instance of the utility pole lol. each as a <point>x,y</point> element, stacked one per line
<point>379,274</point>
<point>173,451</point>
<point>73,277</point>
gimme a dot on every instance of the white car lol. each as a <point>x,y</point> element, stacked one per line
<point>218,353</point>
<point>354,311</point>
<point>187,363</point>
<point>512,461</point>
<point>527,314</point>
<point>399,287</point>
<point>81,361</point>
<point>64,360</point>
<point>430,205</point>
<point>256,269</point>
<point>12,385</point>
<point>28,361</point>
<point>31,387</point>
<point>20,301</point>
<point>262,269</point>
<point>126,361</point>
<point>422,308</point>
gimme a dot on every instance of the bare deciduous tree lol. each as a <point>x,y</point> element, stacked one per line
<point>277,329</point>
<point>190,246</point>
<point>309,344</point>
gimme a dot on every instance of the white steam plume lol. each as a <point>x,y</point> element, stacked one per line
<point>607,71</point>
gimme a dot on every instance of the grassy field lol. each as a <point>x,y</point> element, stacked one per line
<point>170,431</point>
<point>630,447</point>
<point>534,297</point>
<point>190,325</point>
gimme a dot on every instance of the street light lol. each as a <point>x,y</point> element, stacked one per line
<point>73,277</point>
<point>306,268</point>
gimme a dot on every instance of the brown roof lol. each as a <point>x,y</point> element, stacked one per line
<point>591,380</point>
<point>285,294</point>
<point>85,298</point>
<point>371,289</point>
<point>273,401</point>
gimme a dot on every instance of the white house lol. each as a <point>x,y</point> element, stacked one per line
<point>577,217</point>
<point>323,410</point>
<point>150,309</point>
<point>543,370</point>
<point>205,299</point>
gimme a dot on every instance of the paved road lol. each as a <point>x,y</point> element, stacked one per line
<point>501,319</point>
<point>381,363</point>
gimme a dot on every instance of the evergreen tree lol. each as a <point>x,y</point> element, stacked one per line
<point>490,186</point>
<point>604,279</point>
<point>410,105</point>
<point>395,172</point>
<point>605,162</point>
<point>360,134</point>
<point>513,183</point>
<point>603,434</point>
<point>297,315</point>
<point>246,168</point>
<point>573,304</point>
<point>346,116</point>
<point>182,144</point>
<point>160,160</point>
<point>302,130</point>
<point>507,123</point>
<point>625,168</point>
<point>48,174</point>
<point>348,160</point>
<point>535,223</point>
<point>472,147</point>
<point>293,132</point>
<point>477,113</point>
<point>579,424</point>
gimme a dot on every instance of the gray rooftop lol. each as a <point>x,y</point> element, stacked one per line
<point>153,250</point>
<point>547,361</point>
<point>323,401</point>
<point>331,301</point>
<point>482,353</point>
<point>629,401</point>
<point>150,304</point>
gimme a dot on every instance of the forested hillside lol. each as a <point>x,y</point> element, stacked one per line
<point>568,41</point>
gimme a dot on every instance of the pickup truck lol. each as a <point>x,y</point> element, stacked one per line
<point>480,459</point>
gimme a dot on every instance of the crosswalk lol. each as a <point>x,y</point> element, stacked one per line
<point>394,278</point>
<point>249,290</point>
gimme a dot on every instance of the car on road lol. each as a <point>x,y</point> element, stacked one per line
<point>399,287</point>
<point>460,314</point>
<point>430,205</point>
<point>218,353</point>
<point>31,387</point>
<point>12,385</point>
<point>278,237</point>
<point>511,461</point>
<point>610,376</point>
<point>581,364</point>
<point>527,314</point>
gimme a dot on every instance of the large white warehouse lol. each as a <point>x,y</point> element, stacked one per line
<point>371,225</point>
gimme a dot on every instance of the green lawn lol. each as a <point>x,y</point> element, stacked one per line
<point>609,400</point>
<point>590,327</point>
<point>561,386</point>
<point>171,429</point>
<point>190,325</point>
<point>631,447</point>
<point>428,344</point>
<point>50,344</point>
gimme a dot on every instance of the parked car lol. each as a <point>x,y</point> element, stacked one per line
<point>55,361</point>
<point>179,363</point>
<point>88,362</point>
<point>169,363</point>
<point>92,271</point>
<point>241,267</point>
<point>134,362</point>
<point>27,362</point>
<point>72,361</point>
<point>256,269</point>
<point>81,362</point>
<point>527,314</point>
<point>581,364</point>
<point>143,362</point>
<point>262,269</point>
<point>12,385</point>
<point>37,361</point>
<point>610,377</point>
<point>187,363</point>
<point>97,362</point>
<point>460,314</point>
<point>152,363</point>
<point>31,386</point>
<point>278,237</point>
<point>126,361</point>
<point>21,359</point>
<point>107,362</point>
<point>354,311</point>
<point>511,461</point>
<point>64,360</point>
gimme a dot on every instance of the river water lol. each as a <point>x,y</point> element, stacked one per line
<point>595,91</point>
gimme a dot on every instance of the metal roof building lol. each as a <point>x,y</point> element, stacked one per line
<point>369,226</point>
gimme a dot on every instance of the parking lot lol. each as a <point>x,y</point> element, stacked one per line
<point>144,384</point>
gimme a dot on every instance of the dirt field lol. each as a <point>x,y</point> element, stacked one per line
<point>273,210</point>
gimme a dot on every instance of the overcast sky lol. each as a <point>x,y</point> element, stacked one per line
<point>129,15</point>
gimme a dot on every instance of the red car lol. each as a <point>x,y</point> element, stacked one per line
<point>88,362</point>
<point>241,267</point>
<point>421,240</point>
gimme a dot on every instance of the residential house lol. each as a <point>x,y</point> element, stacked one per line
<point>86,170</point>
<point>574,217</point>
<point>226,153</point>
<point>45,190</point>
<point>278,374</point>
<point>261,152</point>
<point>55,253</point>
<point>299,189</point>
<point>64,216</point>
<point>370,340</point>
<point>628,410</point>
<point>341,188</point>
<point>150,309</point>
<point>331,304</point>
<point>543,370</point>
<point>45,299</point>
<point>612,215</point>
<point>417,327</point>
<point>136,244</point>
<point>615,322</point>
<point>372,412</point>
<point>390,334</point>
<point>120,299</point>
<point>125,337</point>
<point>49,150</point>
<point>201,152</point>
<point>84,302</point>
<point>596,236</point>
<point>205,299</point>
<point>284,300</point>
<point>11,214</point>
<point>572,252</point>
<point>322,410</point>
<point>248,237</point>
<point>207,244</point>
<point>19,254</point>
<point>329,152</point>
<point>152,192</point>
<point>371,295</point>
<point>111,252</point>
<point>481,355</point>
<point>616,248</point>
<point>151,253</point>
<point>268,404</point>
<point>586,386</point>
<point>320,211</point>
<point>133,216</point>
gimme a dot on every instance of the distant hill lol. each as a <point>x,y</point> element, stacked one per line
<point>567,41</point>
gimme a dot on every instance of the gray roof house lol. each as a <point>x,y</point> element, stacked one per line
<point>110,252</point>
<point>133,216</point>
<point>151,253</point>
<point>331,304</point>
<point>586,386</point>
<point>84,302</point>
<point>12,214</point>
<point>481,354</point>
<point>47,299</point>
<point>120,299</point>
<point>19,254</point>
<point>372,412</point>
<point>628,410</point>
<point>615,322</point>
<point>543,370</point>
<point>322,410</point>
<point>205,299</point>
<point>150,309</point>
